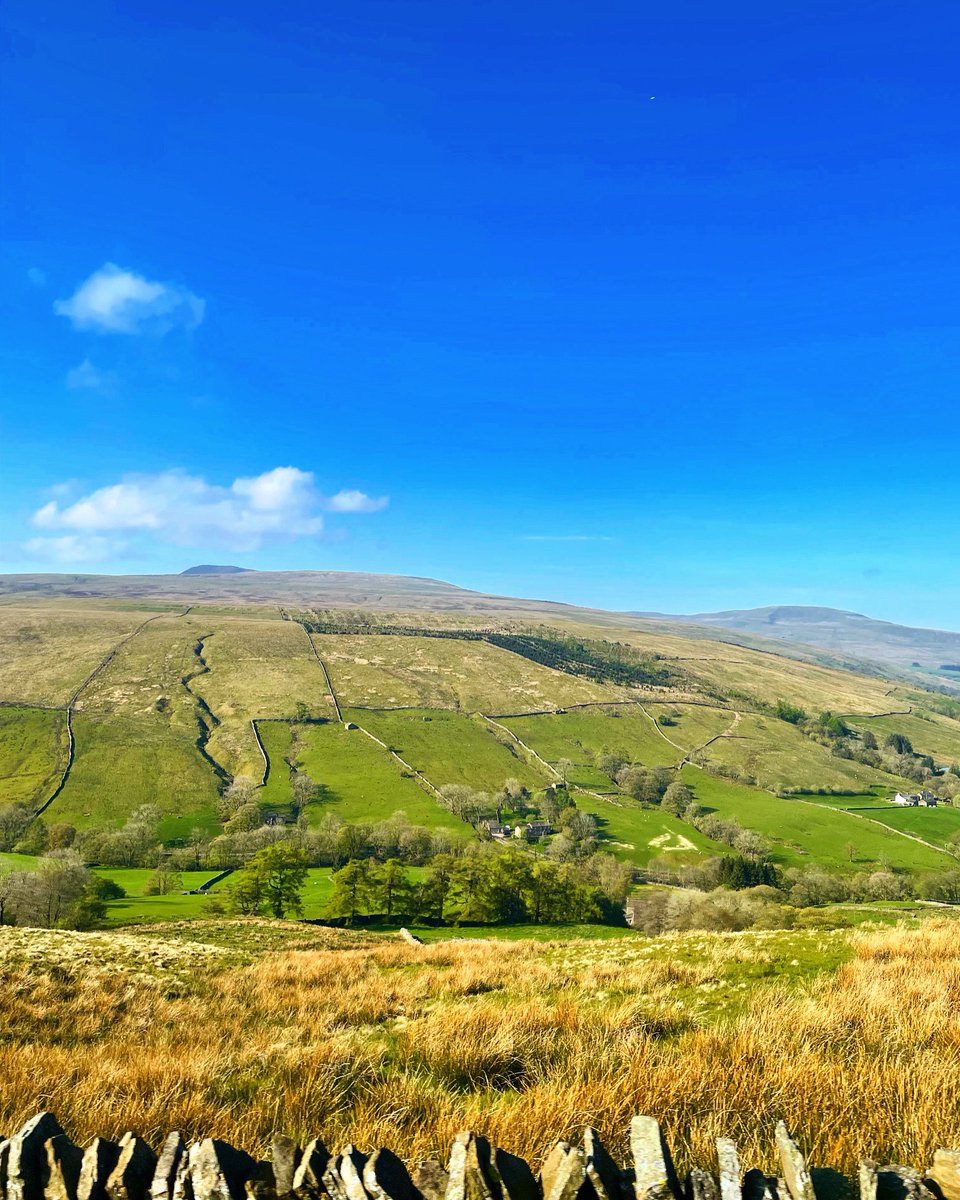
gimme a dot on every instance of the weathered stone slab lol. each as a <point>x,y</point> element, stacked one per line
<point>133,1172</point>
<point>285,1157</point>
<point>430,1179</point>
<point>385,1177</point>
<point>4,1160</point>
<point>218,1171</point>
<point>729,1163</point>
<point>654,1174</point>
<point>99,1162</point>
<point>307,1182</point>
<point>343,1178</point>
<point>793,1165</point>
<point>62,1174</point>
<point>471,1173</point>
<point>27,1157</point>
<point>170,1170</point>
<point>945,1173</point>
<point>563,1175</point>
<point>603,1173</point>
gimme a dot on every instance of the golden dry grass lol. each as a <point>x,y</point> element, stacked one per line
<point>388,671</point>
<point>378,1042</point>
<point>47,652</point>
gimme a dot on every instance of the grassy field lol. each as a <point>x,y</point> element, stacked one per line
<point>931,733</point>
<point>18,862</point>
<point>257,669</point>
<point>450,747</point>
<point>802,832</point>
<point>638,835</point>
<point>937,825</point>
<point>244,1029</point>
<point>359,780</point>
<point>390,672</point>
<point>33,752</point>
<point>583,734</point>
<point>777,755</point>
<point>47,651</point>
<point>122,763</point>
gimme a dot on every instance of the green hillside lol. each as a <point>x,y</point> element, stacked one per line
<point>165,704</point>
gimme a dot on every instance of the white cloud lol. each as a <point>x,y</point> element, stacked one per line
<point>72,548</point>
<point>113,300</point>
<point>350,501</point>
<point>186,510</point>
<point>88,377</point>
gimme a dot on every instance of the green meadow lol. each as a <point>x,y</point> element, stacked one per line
<point>33,752</point>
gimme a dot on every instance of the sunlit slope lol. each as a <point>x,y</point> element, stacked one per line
<point>256,669</point>
<point>385,671</point>
<point>33,750</point>
<point>47,652</point>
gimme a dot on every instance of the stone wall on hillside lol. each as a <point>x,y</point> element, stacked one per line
<point>42,1163</point>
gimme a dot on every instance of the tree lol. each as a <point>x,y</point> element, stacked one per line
<point>247,817</point>
<point>677,798</point>
<point>899,743</point>
<point>564,766</point>
<point>869,740</point>
<point>276,874</point>
<point>163,881</point>
<point>390,888</point>
<point>789,712</point>
<point>240,791</point>
<point>351,890</point>
<point>304,790</point>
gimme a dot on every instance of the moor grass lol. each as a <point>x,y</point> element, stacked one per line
<point>241,1030</point>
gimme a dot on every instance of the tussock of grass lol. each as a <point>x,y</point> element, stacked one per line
<point>378,1042</point>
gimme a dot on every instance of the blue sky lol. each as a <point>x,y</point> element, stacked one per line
<point>642,306</point>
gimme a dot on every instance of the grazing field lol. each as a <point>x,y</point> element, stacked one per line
<point>46,652</point>
<point>390,671</point>
<point>802,832</point>
<point>450,747</point>
<point>582,735</point>
<point>939,825</point>
<point>639,835</point>
<point>244,1029</point>
<point>930,732</point>
<point>256,669</point>
<point>358,780</point>
<point>778,755</point>
<point>122,763</point>
<point>33,753</point>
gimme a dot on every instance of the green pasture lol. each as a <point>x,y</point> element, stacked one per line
<point>802,832</point>
<point>33,751</point>
<point>583,734</point>
<point>638,835</point>
<point>358,780</point>
<point>124,762</point>
<point>449,747</point>
<point>929,733</point>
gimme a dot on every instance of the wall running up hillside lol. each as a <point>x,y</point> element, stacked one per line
<point>41,1163</point>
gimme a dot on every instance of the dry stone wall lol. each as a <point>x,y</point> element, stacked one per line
<point>42,1163</point>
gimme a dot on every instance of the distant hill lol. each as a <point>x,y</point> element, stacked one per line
<point>922,652</point>
<point>210,569</point>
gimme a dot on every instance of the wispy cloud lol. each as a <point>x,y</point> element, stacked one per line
<point>356,502</point>
<point>180,509</point>
<point>114,300</point>
<point>73,548</point>
<point>566,537</point>
<point>88,377</point>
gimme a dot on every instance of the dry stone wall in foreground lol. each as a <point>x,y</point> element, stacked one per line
<point>42,1163</point>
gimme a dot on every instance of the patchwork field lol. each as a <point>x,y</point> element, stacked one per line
<point>33,753</point>
<point>778,755</point>
<point>930,733</point>
<point>802,832</point>
<point>449,747</point>
<point>359,780</point>
<point>256,669</point>
<point>386,671</point>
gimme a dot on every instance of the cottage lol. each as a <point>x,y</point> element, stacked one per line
<point>533,830</point>
<point>497,829</point>
<point>922,799</point>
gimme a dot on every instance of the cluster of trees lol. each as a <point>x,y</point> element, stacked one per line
<point>485,886</point>
<point>61,894</point>
<point>895,754</point>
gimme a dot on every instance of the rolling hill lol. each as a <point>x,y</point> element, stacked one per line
<point>116,692</point>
